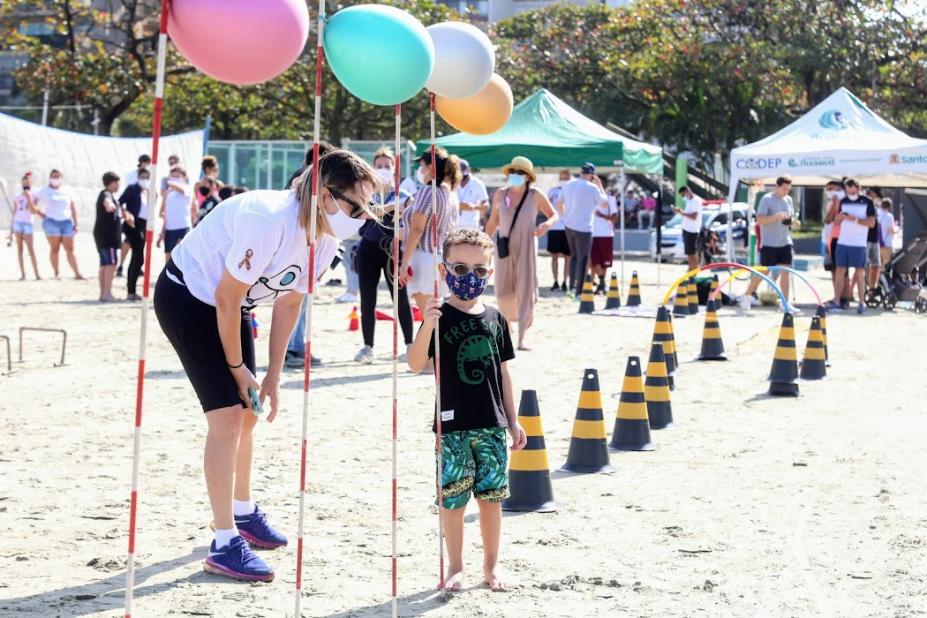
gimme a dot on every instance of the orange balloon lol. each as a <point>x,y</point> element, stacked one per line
<point>485,112</point>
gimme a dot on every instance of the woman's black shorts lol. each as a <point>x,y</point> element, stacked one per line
<point>191,327</point>
<point>557,242</point>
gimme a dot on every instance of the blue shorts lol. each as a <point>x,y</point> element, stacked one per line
<point>21,227</point>
<point>54,227</point>
<point>172,238</point>
<point>109,256</point>
<point>850,257</point>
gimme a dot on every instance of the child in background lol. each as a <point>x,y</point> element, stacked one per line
<point>603,241</point>
<point>23,209</point>
<point>207,191</point>
<point>178,209</point>
<point>477,402</point>
<point>107,233</point>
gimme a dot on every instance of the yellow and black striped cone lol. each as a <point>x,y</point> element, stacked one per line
<point>587,298</point>
<point>529,470</point>
<point>714,286</point>
<point>821,312</point>
<point>588,449</point>
<point>613,298</point>
<point>813,364</point>
<point>712,345</point>
<point>634,294</point>
<point>784,373</point>
<point>663,334</point>
<point>681,302</point>
<point>656,390</point>
<point>692,297</point>
<point>632,425</point>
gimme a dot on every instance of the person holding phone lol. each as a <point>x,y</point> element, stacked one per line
<point>776,216</point>
<point>23,209</point>
<point>252,250</point>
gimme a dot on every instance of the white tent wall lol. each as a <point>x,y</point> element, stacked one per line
<point>26,146</point>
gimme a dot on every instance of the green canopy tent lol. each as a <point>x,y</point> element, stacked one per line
<point>552,134</point>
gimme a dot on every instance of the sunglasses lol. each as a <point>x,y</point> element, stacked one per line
<point>517,172</point>
<point>460,269</point>
<point>357,211</point>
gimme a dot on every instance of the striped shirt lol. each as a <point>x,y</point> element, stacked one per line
<point>448,208</point>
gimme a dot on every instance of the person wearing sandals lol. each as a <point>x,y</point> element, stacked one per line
<point>515,210</point>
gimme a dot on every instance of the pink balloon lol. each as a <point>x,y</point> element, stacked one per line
<point>239,41</point>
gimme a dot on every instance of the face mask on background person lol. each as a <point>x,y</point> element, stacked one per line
<point>830,194</point>
<point>205,191</point>
<point>386,175</point>
<point>26,187</point>
<point>516,180</point>
<point>144,183</point>
<point>54,183</point>
<point>419,176</point>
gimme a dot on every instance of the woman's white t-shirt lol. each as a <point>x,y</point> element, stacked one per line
<point>257,238</point>
<point>177,211</point>
<point>55,203</point>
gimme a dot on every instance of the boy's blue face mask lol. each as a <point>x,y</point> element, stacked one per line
<point>467,286</point>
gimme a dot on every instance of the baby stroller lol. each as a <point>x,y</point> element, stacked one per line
<point>902,278</point>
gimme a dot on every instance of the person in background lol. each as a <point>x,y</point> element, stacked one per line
<point>59,214</point>
<point>887,229</point>
<point>240,189</point>
<point>691,224</point>
<point>648,210</point>
<point>226,192</point>
<point>557,244</point>
<point>135,200</point>
<point>775,214</point>
<point>178,210</point>
<point>836,191</point>
<point>873,255</point>
<point>416,271</point>
<point>373,259</point>
<point>579,200</point>
<point>210,169</point>
<point>473,198</point>
<point>144,163</point>
<point>210,197</point>
<point>172,162</point>
<point>631,205</point>
<point>22,229</point>
<point>107,233</point>
<point>603,240</point>
<point>857,214</point>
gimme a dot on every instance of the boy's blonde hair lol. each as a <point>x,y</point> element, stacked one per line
<point>468,236</point>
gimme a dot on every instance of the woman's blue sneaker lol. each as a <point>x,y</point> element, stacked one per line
<point>238,561</point>
<point>255,529</point>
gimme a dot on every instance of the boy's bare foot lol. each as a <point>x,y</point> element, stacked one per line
<point>454,581</point>
<point>494,580</point>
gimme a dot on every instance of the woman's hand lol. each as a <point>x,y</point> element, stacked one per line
<point>270,388</point>
<point>404,275</point>
<point>160,239</point>
<point>244,380</point>
<point>541,229</point>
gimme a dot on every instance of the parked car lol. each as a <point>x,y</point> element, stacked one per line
<point>714,219</point>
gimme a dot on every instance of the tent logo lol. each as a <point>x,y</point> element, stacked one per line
<point>812,162</point>
<point>894,159</point>
<point>834,120</point>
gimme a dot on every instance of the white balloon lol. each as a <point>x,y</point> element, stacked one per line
<point>464,60</point>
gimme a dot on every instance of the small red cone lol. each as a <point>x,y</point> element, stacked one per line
<point>416,313</point>
<point>382,316</point>
<point>354,320</point>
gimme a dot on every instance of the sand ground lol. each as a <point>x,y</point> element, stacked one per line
<point>750,506</point>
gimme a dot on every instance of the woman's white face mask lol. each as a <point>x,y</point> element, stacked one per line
<point>342,226</point>
<point>144,183</point>
<point>385,174</point>
<point>420,175</point>
<point>54,183</point>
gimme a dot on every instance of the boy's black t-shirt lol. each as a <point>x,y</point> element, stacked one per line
<point>473,348</point>
<point>108,226</point>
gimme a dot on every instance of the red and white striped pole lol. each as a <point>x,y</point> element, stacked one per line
<point>438,449</point>
<point>313,230</point>
<point>397,217</point>
<point>143,331</point>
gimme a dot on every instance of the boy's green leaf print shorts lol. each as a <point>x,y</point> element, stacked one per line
<point>475,461</point>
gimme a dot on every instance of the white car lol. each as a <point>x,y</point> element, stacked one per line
<point>714,217</point>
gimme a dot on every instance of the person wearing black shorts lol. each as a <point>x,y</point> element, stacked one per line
<point>253,250</point>
<point>775,216</point>
<point>557,245</point>
<point>107,234</point>
<point>691,224</point>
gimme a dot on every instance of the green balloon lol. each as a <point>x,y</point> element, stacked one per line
<point>381,54</point>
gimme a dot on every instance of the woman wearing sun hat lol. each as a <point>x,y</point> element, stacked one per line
<point>514,212</point>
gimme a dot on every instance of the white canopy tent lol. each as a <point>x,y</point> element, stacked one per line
<point>839,137</point>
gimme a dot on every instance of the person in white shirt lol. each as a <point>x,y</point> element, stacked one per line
<point>856,216</point>
<point>580,198</point>
<point>59,214</point>
<point>473,198</point>
<point>691,224</point>
<point>603,240</point>
<point>886,221</point>
<point>251,250</point>
<point>178,209</point>
<point>557,244</point>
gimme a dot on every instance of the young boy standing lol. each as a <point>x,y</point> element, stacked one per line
<point>107,233</point>
<point>477,401</point>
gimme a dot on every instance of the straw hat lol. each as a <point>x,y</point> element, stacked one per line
<point>522,164</point>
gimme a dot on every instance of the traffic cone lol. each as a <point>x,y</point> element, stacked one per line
<point>813,364</point>
<point>821,312</point>
<point>354,320</point>
<point>784,373</point>
<point>693,297</point>
<point>587,298</point>
<point>712,345</point>
<point>681,302</point>
<point>529,470</point>
<point>634,294</point>
<point>632,426</point>
<point>382,316</point>
<point>588,450</point>
<point>663,334</point>
<point>416,314</point>
<point>714,286</point>
<point>613,299</point>
<point>656,390</point>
